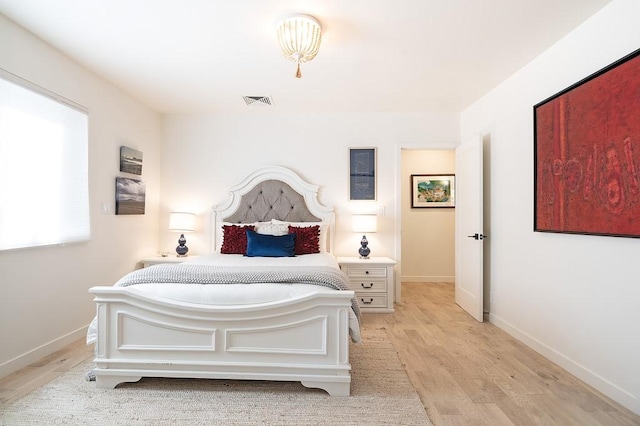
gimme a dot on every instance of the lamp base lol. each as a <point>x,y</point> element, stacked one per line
<point>364,251</point>
<point>182,249</point>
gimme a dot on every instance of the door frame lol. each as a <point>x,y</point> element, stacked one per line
<point>417,146</point>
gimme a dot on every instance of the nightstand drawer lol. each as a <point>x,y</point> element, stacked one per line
<point>363,271</point>
<point>372,301</point>
<point>372,280</point>
<point>364,285</point>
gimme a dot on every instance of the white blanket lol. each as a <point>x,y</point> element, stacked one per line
<point>240,293</point>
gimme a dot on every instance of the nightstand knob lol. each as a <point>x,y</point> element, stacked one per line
<point>367,302</point>
<point>366,272</point>
<point>366,286</point>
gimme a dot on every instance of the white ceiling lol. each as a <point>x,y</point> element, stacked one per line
<point>376,55</point>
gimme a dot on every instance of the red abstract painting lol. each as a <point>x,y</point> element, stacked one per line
<point>587,155</point>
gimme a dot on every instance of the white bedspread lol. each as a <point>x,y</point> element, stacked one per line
<point>240,294</point>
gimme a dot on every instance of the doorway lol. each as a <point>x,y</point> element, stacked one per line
<point>428,233</point>
<point>443,160</point>
<point>425,248</point>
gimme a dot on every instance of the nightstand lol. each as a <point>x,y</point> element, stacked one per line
<point>372,280</point>
<point>158,259</point>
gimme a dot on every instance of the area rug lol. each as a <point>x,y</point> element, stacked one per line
<point>381,394</point>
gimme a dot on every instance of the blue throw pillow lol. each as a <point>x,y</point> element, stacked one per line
<point>259,245</point>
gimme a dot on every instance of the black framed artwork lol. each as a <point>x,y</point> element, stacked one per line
<point>586,155</point>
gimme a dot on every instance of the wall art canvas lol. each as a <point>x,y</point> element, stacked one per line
<point>362,174</point>
<point>428,191</point>
<point>587,155</point>
<point>130,196</point>
<point>130,160</point>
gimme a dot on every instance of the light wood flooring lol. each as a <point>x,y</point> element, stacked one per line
<point>471,373</point>
<point>466,373</point>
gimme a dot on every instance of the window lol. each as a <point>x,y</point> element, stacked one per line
<point>44,185</point>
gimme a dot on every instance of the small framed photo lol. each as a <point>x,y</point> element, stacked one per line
<point>130,160</point>
<point>428,191</point>
<point>362,174</point>
<point>130,196</point>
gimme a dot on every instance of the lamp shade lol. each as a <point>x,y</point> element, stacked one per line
<point>182,222</point>
<point>364,223</point>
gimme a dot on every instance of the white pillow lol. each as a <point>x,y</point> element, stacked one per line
<point>324,230</point>
<point>272,228</point>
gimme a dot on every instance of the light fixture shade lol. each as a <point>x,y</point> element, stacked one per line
<point>182,222</point>
<point>364,223</point>
<point>299,37</point>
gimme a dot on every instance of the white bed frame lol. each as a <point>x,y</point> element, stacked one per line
<point>302,339</point>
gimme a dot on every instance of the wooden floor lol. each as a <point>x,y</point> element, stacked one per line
<point>465,372</point>
<point>470,373</point>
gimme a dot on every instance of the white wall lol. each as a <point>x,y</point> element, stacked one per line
<point>573,298</point>
<point>44,299</point>
<point>428,234</point>
<point>204,154</point>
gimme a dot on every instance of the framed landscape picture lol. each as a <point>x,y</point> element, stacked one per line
<point>587,155</point>
<point>130,196</point>
<point>130,160</point>
<point>362,174</point>
<point>429,191</point>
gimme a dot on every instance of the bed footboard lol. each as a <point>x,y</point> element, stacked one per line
<point>302,339</point>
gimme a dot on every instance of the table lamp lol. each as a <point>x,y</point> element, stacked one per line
<point>364,223</point>
<point>182,222</point>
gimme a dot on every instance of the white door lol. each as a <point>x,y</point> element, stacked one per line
<point>469,233</point>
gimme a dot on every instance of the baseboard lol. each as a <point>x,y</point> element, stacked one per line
<point>40,352</point>
<point>614,392</point>
<point>428,279</point>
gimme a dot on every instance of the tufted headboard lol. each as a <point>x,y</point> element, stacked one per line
<point>272,199</point>
<point>273,192</point>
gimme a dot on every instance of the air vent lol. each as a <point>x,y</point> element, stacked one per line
<point>258,100</point>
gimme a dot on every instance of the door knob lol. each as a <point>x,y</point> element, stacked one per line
<point>478,236</point>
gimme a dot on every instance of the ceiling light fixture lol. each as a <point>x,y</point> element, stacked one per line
<point>299,38</point>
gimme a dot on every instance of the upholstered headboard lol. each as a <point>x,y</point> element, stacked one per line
<point>272,193</point>
<point>272,199</point>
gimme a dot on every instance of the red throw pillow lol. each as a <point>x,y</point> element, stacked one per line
<point>307,239</point>
<point>234,239</point>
